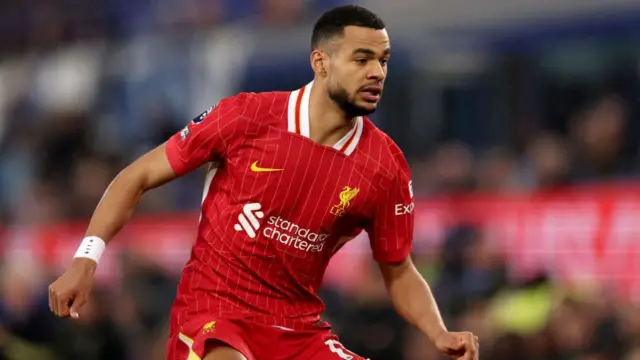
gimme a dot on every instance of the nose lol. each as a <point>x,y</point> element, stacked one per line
<point>376,72</point>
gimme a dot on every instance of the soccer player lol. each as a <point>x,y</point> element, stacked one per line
<point>292,176</point>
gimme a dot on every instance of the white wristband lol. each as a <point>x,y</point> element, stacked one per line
<point>92,248</point>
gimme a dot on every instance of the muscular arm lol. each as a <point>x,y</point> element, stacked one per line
<point>391,237</point>
<point>202,139</point>
<point>412,297</point>
<point>123,194</point>
<point>71,290</point>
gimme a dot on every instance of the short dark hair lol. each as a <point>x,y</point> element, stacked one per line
<point>333,22</point>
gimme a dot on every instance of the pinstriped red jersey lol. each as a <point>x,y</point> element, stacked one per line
<point>277,206</point>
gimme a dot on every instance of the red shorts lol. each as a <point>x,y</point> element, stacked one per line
<point>256,341</point>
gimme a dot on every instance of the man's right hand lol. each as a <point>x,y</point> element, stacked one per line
<point>71,291</point>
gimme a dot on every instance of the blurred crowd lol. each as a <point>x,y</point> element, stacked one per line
<point>34,25</point>
<point>594,148</point>
<point>56,161</point>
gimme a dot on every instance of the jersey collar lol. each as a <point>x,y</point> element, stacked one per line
<point>298,120</point>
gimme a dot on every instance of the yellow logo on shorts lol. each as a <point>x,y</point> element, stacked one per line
<point>209,327</point>
<point>346,195</point>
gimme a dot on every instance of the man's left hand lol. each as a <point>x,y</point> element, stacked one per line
<point>458,345</point>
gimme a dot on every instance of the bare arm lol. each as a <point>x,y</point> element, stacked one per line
<point>118,203</point>
<point>412,297</point>
<point>414,301</point>
<point>196,144</point>
<point>123,194</point>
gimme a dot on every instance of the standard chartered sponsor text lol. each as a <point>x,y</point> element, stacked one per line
<point>291,234</point>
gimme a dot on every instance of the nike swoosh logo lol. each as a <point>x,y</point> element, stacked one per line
<point>256,168</point>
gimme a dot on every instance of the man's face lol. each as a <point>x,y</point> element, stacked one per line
<point>358,67</point>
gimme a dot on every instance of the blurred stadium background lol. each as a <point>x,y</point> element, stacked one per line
<point>520,119</point>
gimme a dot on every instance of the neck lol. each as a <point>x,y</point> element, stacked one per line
<point>327,122</point>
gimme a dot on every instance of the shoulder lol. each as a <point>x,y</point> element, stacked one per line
<point>390,158</point>
<point>251,105</point>
<point>253,98</point>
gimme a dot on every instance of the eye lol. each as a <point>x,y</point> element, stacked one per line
<point>384,62</point>
<point>361,61</point>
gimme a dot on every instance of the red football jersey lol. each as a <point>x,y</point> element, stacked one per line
<point>277,206</point>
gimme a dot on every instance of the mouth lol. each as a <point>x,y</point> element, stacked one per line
<point>371,93</point>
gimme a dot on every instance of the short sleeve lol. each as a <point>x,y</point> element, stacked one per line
<point>206,137</point>
<point>391,228</point>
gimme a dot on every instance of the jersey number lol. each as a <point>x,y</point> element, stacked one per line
<point>338,349</point>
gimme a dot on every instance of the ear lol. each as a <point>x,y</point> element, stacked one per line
<point>319,62</point>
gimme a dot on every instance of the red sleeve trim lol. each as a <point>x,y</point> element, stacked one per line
<point>395,257</point>
<point>178,166</point>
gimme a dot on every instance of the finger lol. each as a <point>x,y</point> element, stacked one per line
<point>63,305</point>
<point>457,343</point>
<point>468,354</point>
<point>54,300</point>
<point>477,343</point>
<point>471,347</point>
<point>50,300</point>
<point>76,305</point>
<point>460,347</point>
